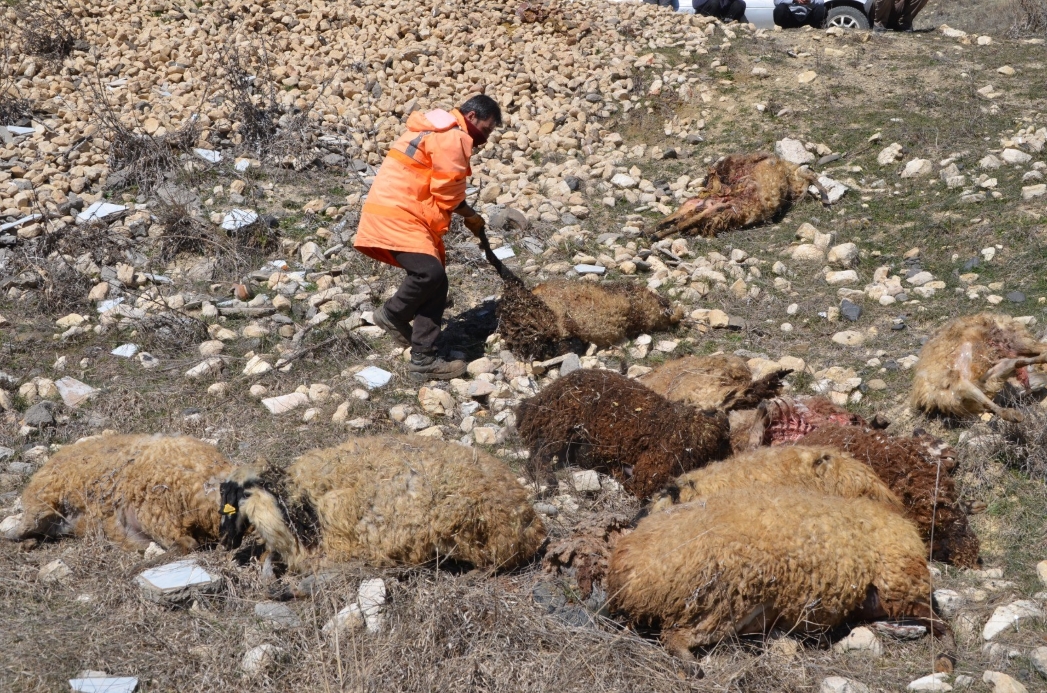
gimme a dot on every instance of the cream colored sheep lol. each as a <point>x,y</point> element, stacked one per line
<point>966,363</point>
<point>750,559</point>
<point>823,469</point>
<point>136,488</point>
<point>388,500</point>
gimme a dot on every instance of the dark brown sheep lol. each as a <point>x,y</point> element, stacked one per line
<point>910,467</point>
<point>602,420</point>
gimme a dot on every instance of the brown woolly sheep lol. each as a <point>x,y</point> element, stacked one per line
<point>741,190</point>
<point>713,382</point>
<point>602,420</point>
<point>561,316</point>
<point>136,488</point>
<point>387,500</point>
<point>910,467</point>
<point>748,560</point>
<point>968,362</point>
<point>821,469</point>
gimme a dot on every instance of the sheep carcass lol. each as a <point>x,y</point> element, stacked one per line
<point>969,361</point>
<point>918,470</point>
<point>136,488</point>
<point>387,500</point>
<point>602,420</point>
<point>561,316</point>
<point>787,419</point>
<point>822,469</point>
<point>752,559</point>
<point>741,190</point>
<point>713,382</point>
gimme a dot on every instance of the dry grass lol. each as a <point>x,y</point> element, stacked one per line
<point>47,30</point>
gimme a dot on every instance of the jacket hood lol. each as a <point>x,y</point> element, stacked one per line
<point>436,120</point>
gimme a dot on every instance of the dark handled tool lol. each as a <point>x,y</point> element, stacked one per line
<point>504,272</point>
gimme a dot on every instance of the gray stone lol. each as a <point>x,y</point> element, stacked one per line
<point>570,363</point>
<point>55,571</point>
<point>509,218</point>
<point>1038,657</point>
<point>1016,297</point>
<point>258,659</point>
<point>849,310</point>
<point>40,414</point>
<point>6,453</point>
<point>793,151</point>
<point>277,613</point>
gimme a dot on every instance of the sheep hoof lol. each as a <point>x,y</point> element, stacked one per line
<point>944,663</point>
<point>1012,415</point>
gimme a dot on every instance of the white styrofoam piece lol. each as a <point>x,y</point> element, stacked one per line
<point>109,303</point>
<point>242,165</point>
<point>125,350</point>
<point>373,377</point>
<point>99,210</point>
<point>18,222</point>
<point>176,576</point>
<point>504,252</point>
<point>238,219</point>
<point>589,269</point>
<point>19,130</point>
<point>209,155</point>
<point>108,684</point>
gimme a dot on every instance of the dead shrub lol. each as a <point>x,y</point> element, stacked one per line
<point>14,108</point>
<point>48,30</point>
<point>1022,445</point>
<point>1030,17</point>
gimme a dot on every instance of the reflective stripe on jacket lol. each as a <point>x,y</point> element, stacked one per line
<point>423,178</point>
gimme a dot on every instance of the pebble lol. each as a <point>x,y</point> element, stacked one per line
<point>860,639</point>
<point>839,684</point>
<point>849,338</point>
<point>260,659</point>
<point>933,682</point>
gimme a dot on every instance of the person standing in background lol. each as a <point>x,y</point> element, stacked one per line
<point>792,14</point>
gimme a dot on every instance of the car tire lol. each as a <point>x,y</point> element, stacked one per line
<point>846,18</point>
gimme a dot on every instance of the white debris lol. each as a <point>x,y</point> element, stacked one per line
<point>104,684</point>
<point>73,391</point>
<point>125,350</point>
<point>373,377</point>
<point>349,618</point>
<point>99,210</point>
<point>371,598</point>
<point>285,403</point>
<point>208,155</point>
<point>504,252</point>
<point>177,581</point>
<point>238,219</point>
<point>589,269</point>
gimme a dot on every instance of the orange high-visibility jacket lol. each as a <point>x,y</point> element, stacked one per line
<point>422,179</point>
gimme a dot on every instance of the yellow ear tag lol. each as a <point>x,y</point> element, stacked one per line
<point>228,510</point>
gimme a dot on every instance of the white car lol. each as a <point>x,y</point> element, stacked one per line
<point>847,14</point>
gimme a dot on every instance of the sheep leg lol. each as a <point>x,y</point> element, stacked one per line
<point>1006,367</point>
<point>965,389</point>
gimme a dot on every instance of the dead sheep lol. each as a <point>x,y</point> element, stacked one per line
<point>918,470</point>
<point>787,419</point>
<point>741,190</point>
<point>969,361</point>
<point>561,316</point>
<point>387,500</point>
<point>821,469</point>
<point>137,489</point>
<point>713,382</point>
<point>602,420</point>
<point>752,559</point>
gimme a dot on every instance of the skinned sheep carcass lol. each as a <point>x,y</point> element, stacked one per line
<point>969,361</point>
<point>602,420</point>
<point>387,500</point>
<point>741,190</point>
<point>785,420</point>
<point>561,316</point>
<point>918,470</point>
<point>137,489</point>
<point>822,469</point>
<point>759,558</point>
<point>713,382</point>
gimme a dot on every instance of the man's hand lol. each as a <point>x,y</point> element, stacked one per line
<point>474,223</point>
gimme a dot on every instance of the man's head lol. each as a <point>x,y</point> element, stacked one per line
<point>482,115</point>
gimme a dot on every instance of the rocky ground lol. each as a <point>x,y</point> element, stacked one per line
<point>179,186</point>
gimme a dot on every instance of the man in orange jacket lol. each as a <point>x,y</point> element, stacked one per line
<point>408,210</point>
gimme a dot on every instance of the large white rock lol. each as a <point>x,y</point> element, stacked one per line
<point>793,151</point>
<point>849,338</point>
<point>1015,156</point>
<point>282,404</point>
<point>917,168</point>
<point>348,619</point>
<point>371,598</point>
<point>838,684</point>
<point>1009,616</point>
<point>889,154</point>
<point>1038,657</point>
<point>949,602</point>
<point>1002,683</point>
<point>211,366</point>
<point>808,252</point>
<point>933,682</point>
<point>73,392</point>
<point>587,481</point>
<point>860,639</point>
<point>373,377</point>
<point>259,659</point>
<point>844,255</point>
<point>841,277</point>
